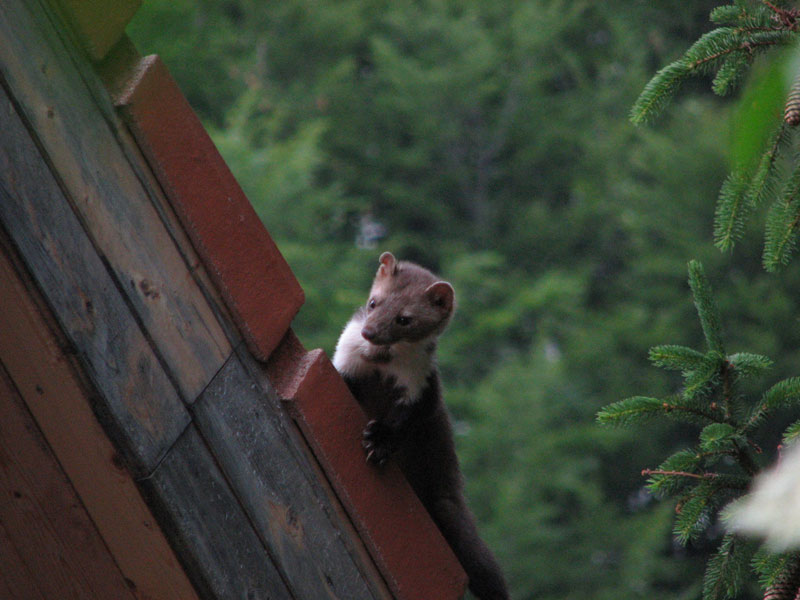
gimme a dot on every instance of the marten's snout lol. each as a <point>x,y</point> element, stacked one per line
<point>369,333</point>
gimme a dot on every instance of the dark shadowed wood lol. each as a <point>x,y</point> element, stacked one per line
<point>32,353</point>
<point>277,487</point>
<point>16,581</point>
<point>139,403</point>
<point>43,521</point>
<point>213,537</point>
<point>73,122</point>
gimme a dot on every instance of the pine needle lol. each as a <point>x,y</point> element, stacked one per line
<point>658,92</point>
<point>733,209</point>
<point>727,569</point>
<point>630,410</point>
<point>677,358</point>
<point>706,307</point>
<point>782,225</point>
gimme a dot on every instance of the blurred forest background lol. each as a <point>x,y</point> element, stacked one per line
<point>490,141</point>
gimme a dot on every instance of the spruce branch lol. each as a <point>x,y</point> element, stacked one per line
<point>726,14</point>
<point>781,395</point>
<point>659,91</point>
<point>731,72</point>
<point>732,210</point>
<point>718,437</point>
<point>676,358</point>
<point>693,414</point>
<point>648,472</point>
<point>775,570</point>
<point>746,364</point>
<point>630,410</point>
<point>706,307</point>
<point>787,17</point>
<point>727,570</point>
<point>791,434</point>
<point>693,513</point>
<point>782,225</point>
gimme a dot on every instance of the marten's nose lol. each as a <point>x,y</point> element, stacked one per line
<point>369,333</point>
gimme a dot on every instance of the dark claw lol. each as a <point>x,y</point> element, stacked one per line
<point>377,442</point>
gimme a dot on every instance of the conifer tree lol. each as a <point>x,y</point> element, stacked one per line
<point>720,468</point>
<point>708,476</point>
<point>746,29</point>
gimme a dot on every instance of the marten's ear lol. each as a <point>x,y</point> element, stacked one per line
<point>441,295</point>
<point>388,265</point>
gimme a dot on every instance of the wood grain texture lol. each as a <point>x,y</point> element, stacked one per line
<point>16,580</point>
<point>277,487</point>
<point>212,535</point>
<point>139,403</point>
<point>257,284</point>
<point>42,517</point>
<point>34,358</point>
<point>408,548</point>
<point>62,102</point>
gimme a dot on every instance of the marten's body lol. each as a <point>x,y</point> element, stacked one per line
<point>386,354</point>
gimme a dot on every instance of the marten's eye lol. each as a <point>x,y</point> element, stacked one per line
<point>403,321</point>
<point>371,304</point>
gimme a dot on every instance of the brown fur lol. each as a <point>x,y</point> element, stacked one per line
<point>394,378</point>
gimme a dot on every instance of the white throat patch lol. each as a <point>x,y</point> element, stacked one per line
<point>410,365</point>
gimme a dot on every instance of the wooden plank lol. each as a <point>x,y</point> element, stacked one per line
<point>217,545</point>
<point>43,517</point>
<point>384,509</point>
<point>72,120</point>
<point>246,265</point>
<point>139,403</point>
<point>16,582</point>
<point>277,488</point>
<point>34,358</point>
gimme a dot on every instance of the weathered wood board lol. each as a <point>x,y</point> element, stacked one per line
<point>217,545</point>
<point>139,402</point>
<point>45,526</point>
<point>276,487</point>
<point>57,399</point>
<point>76,128</point>
<point>259,288</point>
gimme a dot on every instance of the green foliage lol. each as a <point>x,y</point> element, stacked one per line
<point>753,27</point>
<point>630,411</point>
<point>748,28</point>
<point>677,358</point>
<point>782,224</point>
<point>706,308</point>
<point>490,142</point>
<point>733,208</point>
<point>727,571</point>
<point>719,468</point>
<point>772,567</point>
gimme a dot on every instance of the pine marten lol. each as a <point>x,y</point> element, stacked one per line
<point>387,356</point>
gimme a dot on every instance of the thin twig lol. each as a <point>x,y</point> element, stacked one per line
<point>748,46</point>
<point>679,474</point>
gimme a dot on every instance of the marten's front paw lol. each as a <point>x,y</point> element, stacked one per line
<point>378,443</point>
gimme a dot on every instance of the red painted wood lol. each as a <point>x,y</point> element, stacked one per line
<point>403,540</point>
<point>252,276</point>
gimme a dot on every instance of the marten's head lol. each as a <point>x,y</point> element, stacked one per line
<point>406,303</point>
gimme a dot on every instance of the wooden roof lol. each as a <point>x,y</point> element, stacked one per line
<point>163,433</point>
